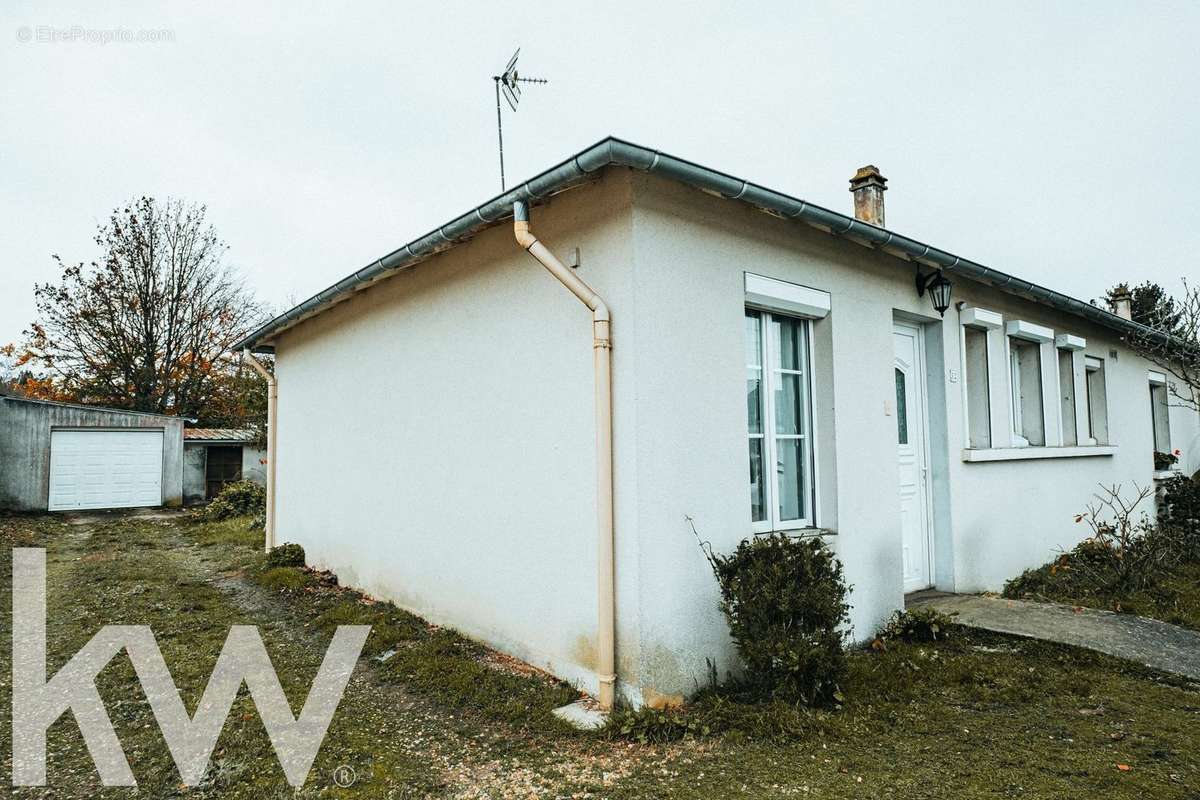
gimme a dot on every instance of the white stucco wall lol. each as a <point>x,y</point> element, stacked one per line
<point>436,432</point>
<point>254,465</point>
<point>436,437</point>
<point>992,520</point>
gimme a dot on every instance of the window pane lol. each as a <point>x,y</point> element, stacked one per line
<point>753,339</point>
<point>788,337</point>
<point>1097,403</point>
<point>901,408</point>
<point>754,399</point>
<point>1160,415</point>
<point>1027,392</point>
<point>789,399</point>
<point>1066,386</point>
<point>791,478</point>
<point>979,408</point>
<point>758,503</point>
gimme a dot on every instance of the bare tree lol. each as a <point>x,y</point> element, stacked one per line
<point>150,326</point>
<point>1172,341</point>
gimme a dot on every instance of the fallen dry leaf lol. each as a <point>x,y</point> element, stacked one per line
<point>1124,767</point>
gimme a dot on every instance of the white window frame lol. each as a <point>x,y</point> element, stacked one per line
<point>1158,382</point>
<point>1074,346</point>
<point>990,322</point>
<point>1086,433</point>
<point>770,456</point>
<point>1043,338</point>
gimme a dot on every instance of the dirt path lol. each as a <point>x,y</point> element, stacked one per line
<point>141,569</point>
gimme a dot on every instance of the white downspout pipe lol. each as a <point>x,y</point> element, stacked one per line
<point>602,349</point>
<point>272,403</point>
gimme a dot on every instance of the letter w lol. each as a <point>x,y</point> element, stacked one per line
<point>37,703</point>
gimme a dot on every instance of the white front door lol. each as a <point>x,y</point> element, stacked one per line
<point>912,453</point>
<point>105,469</point>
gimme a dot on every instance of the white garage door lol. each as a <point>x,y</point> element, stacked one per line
<point>105,469</point>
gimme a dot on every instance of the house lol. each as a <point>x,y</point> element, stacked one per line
<point>62,456</point>
<point>213,457</point>
<point>754,363</point>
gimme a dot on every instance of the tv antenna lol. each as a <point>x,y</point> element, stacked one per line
<point>509,83</point>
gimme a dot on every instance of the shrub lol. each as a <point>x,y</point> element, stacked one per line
<point>1180,511</point>
<point>1122,556</point>
<point>285,578</point>
<point>917,626</point>
<point>236,500</point>
<point>1164,461</point>
<point>785,601</point>
<point>286,555</point>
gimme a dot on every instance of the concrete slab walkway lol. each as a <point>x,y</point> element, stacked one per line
<point>1156,644</point>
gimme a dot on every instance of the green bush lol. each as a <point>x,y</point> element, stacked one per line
<point>286,555</point>
<point>1180,514</point>
<point>236,500</point>
<point>921,625</point>
<point>285,578</point>
<point>785,600</point>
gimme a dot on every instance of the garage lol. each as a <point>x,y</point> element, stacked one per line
<point>58,456</point>
<point>105,469</point>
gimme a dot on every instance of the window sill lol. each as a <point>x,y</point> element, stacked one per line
<point>1027,453</point>
<point>800,532</point>
<point>1167,474</point>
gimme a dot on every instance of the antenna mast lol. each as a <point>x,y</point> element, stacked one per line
<point>509,83</point>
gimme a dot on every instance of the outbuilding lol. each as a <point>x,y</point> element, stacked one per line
<point>62,456</point>
<point>213,457</point>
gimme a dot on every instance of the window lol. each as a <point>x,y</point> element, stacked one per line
<point>1160,412</point>
<point>1025,367</point>
<point>1097,401</point>
<point>1066,395</point>
<point>1071,384</point>
<point>901,408</point>
<point>975,371</point>
<point>779,423</point>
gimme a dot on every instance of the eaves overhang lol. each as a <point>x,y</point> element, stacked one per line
<point>617,152</point>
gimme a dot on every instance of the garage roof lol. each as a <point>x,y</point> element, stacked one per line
<point>19,399</point>
<point>218,434</point>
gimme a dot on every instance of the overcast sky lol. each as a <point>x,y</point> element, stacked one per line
<point>1062,145</point>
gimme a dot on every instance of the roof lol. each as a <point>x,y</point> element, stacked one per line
<point>616,152</point>
<point>5,395</point>
<point>218,434</point>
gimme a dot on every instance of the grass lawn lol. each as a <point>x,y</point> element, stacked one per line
<point>976,716</point>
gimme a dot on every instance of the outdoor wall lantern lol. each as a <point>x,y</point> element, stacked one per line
<point>938,286</point>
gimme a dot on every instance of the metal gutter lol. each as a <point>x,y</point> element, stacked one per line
<point>617,152</point>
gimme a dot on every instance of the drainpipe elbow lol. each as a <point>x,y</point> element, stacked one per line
<point>524,237</point>
<point>600,311</point>
<point>521,225</point>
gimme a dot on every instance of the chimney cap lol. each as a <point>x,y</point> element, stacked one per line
<point>868,176</point>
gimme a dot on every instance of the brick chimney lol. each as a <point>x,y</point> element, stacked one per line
<point>1122,302</point>
<point>868,187</point>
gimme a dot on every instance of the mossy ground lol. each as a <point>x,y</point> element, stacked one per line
<point>974,716</point>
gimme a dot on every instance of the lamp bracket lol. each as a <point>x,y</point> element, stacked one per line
<point>923,281</point>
